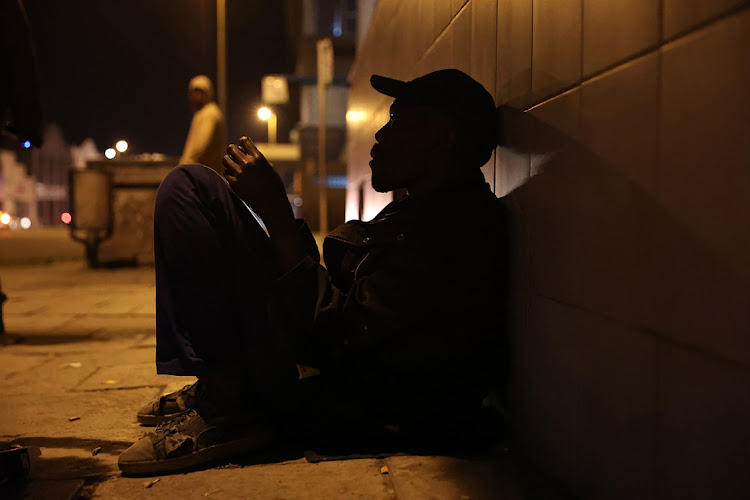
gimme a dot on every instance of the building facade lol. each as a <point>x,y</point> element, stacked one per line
<point>35,181</point>
<point>344,22</point>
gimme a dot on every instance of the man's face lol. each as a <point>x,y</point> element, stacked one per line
<point>406,146</point>
<point>197,98</point>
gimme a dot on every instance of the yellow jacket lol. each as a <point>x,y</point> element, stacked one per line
<point>206,139</point>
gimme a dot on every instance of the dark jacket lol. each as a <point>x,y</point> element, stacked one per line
<point>410,307</point>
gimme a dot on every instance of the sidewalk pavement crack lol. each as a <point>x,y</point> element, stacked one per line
<point>94,371</point>
<point>388,480</point>
<point>105,389</point>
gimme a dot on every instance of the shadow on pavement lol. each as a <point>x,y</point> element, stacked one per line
<point>108,447</point>
<point>45,339</point>
<point>270,456</point>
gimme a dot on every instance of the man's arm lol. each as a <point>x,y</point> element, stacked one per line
<point>258,184</point>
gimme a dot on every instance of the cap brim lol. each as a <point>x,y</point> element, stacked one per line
<point>387,86</point>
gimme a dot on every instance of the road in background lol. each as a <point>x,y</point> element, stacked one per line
<point>37,245</point>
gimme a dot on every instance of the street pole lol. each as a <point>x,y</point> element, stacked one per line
<point>272,128</point>
<point>322,184</point>
<point>325,77</point>
<point>221,55</point>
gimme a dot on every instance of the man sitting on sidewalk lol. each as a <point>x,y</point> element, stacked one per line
<point>404,326</point>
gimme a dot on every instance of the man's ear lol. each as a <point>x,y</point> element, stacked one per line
<point>447,140</point>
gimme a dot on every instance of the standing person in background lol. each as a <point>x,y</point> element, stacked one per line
<point>207,136</point>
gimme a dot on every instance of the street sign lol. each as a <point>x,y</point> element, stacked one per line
<point>274,89</point>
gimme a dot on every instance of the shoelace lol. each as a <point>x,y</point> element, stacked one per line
<point>170,426</point>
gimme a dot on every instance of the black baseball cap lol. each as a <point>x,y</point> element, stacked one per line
<point>456,94</point>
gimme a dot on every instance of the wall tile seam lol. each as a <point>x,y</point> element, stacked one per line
<point>529,259</point>
<point>495,163</point>
<point>664,338</point>
<point>442,34</point>
<point>363,52</point>
<point>659,116</point>
<point>659,424</point>
<point>736,10</point>
<point>568,90</point>
<point>531,63</point>
<point>596,75</point>
<point>634,57</point>
<point>660,20</point>
<point>583,10</point>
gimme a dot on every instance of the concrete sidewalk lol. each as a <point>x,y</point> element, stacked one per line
<point>76,363</point>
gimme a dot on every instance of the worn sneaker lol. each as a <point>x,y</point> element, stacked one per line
<point>191,440</point>
<point>169,406</point>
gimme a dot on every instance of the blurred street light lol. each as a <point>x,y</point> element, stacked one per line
<point>266,114</point>
<point>121,146</point>
<point>110,153</point>
<point>355,116</point>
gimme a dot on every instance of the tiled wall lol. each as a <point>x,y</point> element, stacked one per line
<point>627,169</point>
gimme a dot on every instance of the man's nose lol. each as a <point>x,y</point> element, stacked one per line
<point>379,134</point>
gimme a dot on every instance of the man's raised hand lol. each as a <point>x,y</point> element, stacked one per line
<point>254,179</point>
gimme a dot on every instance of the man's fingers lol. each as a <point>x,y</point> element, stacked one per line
<point>239,157</point>
<point>232,167</point>
<point>237,154</point>
<point>249,146</point>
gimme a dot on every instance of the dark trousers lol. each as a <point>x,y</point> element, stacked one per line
<point>214,269</point>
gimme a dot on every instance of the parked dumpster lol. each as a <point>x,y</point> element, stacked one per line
<point>112,209</point>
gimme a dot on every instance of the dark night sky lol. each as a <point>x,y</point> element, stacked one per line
<point>119,68</point>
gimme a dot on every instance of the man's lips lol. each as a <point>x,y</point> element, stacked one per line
<point>375,153</point>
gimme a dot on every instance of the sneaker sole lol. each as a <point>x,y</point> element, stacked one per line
<point>215,452</point>
<point>153,420</point>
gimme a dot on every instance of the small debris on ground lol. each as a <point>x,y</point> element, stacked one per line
<point>229,466</point>
<point>149,484</point>
<point>73,419</point>
<point>96,451</point>
<point>384,469</point>
<point>70,365</point>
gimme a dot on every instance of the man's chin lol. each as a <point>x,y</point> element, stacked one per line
<point>380,186</point>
